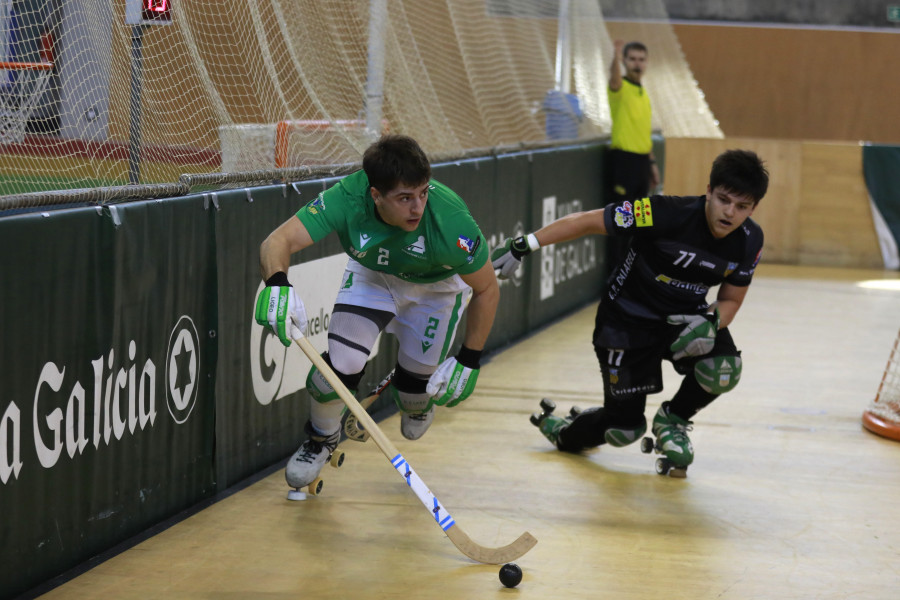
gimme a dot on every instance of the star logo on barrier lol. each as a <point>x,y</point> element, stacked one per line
<point>182,369</point>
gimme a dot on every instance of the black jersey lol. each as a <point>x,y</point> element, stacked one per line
<point>673,260</point>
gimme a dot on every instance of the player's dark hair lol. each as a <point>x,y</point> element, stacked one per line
<point>740,172</point>
<point>395,160</point>
<point>633,46</point>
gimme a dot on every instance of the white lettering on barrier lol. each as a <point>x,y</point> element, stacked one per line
<point>123,401</point>
<point>10,431</point>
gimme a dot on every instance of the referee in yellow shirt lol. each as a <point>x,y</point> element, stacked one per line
<point>633,167</point>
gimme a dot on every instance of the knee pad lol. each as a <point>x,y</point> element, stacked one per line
<point>718,374</point>
<point>319,388</point>
<point>408,391</point>
<point>623,436</point>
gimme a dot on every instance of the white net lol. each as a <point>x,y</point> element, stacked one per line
<point>231,85</point>
<point>883,414</point>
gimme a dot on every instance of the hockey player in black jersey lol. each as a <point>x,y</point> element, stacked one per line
<point>655,306</point>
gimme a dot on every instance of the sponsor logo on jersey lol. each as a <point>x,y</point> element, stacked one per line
<point>697,288</point>
<point>643,216</point>
<point>364,239</point>
<point>707,265</point>
<point>316,205</point>
<point>417,247</point>
<point>624,216</point>
<point>731,267</point>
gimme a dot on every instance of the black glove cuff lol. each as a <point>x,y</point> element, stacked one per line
<point>519,247</point>
<point>471,359</point>
<point>278,279</point>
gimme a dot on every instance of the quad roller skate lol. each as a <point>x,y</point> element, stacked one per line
<point>303,468</point>
<point>306,464</point>
<point>550,424</point>
<point>671,442</point>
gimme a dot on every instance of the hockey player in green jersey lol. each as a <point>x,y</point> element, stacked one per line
<point>417,260</point>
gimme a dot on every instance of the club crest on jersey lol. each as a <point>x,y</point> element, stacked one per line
<point>624,216</point>
<point>469,246</point>
<point>316,205</point>
<point>643,217</point>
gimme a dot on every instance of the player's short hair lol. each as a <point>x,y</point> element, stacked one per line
<point>740,172</point>
<point>634,46</point>
<point>395,160</point>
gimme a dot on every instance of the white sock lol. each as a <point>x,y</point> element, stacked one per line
<point>326,418</point>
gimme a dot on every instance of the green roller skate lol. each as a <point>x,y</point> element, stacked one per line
<point>672,443</point>
<point>550,424</point>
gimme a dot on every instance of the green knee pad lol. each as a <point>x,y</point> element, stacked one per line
<point>718,374</point>
<point>319,388</point>
<point>622,436</point>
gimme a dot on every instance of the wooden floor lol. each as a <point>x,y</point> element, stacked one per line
<point>788,496</point>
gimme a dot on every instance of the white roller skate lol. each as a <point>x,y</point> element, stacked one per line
<point>304,466</point>
<point>413,425</point>
<point>416,413</point>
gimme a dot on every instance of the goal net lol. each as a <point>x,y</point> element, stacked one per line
<point>883,414</point>
<point>232,86</point>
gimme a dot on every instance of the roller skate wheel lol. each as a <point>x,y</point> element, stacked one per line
<point>548,405</point>
<point>296,495</point>
<point>574,411</point>
<point>536,419</point>
<point>662,466</point>
<point>337,459</point>
<point>315,488</point>
<point>647,445</point>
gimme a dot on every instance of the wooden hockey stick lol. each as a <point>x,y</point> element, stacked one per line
<point>460,539</point>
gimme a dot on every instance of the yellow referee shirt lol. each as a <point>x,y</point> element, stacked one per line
<point>630,111</point>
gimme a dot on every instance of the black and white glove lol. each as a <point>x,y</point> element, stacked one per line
<point>506,258</point>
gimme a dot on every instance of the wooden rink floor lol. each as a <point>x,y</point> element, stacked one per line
<point>788,496</point>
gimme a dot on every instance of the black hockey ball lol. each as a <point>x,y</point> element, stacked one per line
<point>510,575</point>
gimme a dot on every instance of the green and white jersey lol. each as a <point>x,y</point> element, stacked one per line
<point>446,242</point>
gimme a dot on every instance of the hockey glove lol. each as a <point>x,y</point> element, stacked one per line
<point>698,336</point>
<point>455,378</point>
<point>507,258</point>
<point>279,307</point>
